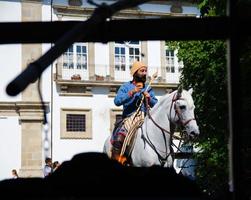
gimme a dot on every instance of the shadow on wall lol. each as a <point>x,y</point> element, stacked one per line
<point>95,176</point>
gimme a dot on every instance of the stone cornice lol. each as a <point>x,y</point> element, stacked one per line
<point>127,13</point>
<point>23,106</point>
<point>32,1</point>
<point>109,83</point>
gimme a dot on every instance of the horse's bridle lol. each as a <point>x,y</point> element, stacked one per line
<point>177,110</point>
<point>162,159</point>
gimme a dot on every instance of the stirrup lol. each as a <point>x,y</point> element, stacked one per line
<point>122,160</point>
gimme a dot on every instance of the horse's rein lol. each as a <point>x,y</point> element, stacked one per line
<point>172,136</point>
<point>163,130</point>
<point>155,123</point>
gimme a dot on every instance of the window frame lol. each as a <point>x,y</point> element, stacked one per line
<point>113,113</point>
<point>129,58</point>
<point>64,134</point>
<point>74,57</point>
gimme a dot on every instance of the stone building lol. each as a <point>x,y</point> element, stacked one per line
<point>78,88</point>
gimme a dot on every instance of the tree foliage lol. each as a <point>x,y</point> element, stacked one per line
<point>205,71</point>
<point>212,7</point>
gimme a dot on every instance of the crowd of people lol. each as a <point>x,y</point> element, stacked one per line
<point>50,166</point>
<point>48,169</point>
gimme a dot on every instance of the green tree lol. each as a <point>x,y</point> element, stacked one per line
<point>212,7</point>
<point>205,71</point>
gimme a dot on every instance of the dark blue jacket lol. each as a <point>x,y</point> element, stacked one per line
<point>131,103</point>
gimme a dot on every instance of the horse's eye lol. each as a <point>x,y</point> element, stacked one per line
<point>182,107</point>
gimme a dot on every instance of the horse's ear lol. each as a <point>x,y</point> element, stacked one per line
<point>179,91</point>
<point>190,91</point>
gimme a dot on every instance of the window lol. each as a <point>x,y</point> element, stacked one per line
<point>81,61</point>
<point>115,115</point>
<point>125,54</point>
<point>68,59</point>
<point>173,66</point>
<point>118,117</point>
<point>180,66</point>
<point>75,62</point>
<point>120,59</point>
<point>134,55</point>
<point>170,67</point>
<point>75,123</point>
<point>75,57</point>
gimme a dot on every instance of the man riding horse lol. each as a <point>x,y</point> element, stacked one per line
<point>130,95</point>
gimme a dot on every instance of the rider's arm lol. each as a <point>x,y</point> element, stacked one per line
<point>123,96</point>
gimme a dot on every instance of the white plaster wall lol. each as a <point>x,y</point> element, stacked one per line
<point>100,104</point>
<point>10,65</point>
<point>154,62</point>
<point>10,55</point>
<point>10,11</point>
<point>47,15</point>
<point>101,59</point>
<point>10,146</point>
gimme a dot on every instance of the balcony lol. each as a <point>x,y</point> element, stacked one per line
<point>80,81</point>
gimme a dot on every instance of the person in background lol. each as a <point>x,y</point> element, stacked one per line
<point>48,167</point>
<point>14,174</point>
<point>55,165</point>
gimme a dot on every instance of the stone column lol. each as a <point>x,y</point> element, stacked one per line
<point>144,51</point>
<point>163,61</point>
<point>91,59</point>
<point>31,113</point>
<point>31,11</point>
<point>111,59</point>
<point>31,118</point>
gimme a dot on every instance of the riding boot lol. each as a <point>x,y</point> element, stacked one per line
<point>116,149</point>
<point>115,153</point>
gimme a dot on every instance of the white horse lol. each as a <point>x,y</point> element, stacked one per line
<point>152,144</point>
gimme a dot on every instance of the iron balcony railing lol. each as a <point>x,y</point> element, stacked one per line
<point>99,72</point>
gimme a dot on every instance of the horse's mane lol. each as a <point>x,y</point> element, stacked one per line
<point>161,101</point>
<point>185,95</point>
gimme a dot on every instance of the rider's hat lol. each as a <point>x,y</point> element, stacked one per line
<point>136,66</point>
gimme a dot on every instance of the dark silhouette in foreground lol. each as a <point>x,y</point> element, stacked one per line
<point>95,176</point>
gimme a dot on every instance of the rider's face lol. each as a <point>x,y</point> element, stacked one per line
<point>140,75</point>
<point>142,71</point>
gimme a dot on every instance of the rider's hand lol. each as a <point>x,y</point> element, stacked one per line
<point>146,94</point>
<point>137,88</point>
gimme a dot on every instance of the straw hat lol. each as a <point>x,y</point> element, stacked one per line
<point>136,66</point>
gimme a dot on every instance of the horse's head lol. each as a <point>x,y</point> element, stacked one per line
<point>183,107</point>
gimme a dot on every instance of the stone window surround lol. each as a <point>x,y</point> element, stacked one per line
<point>75,135</point>
<point>113,113</point>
